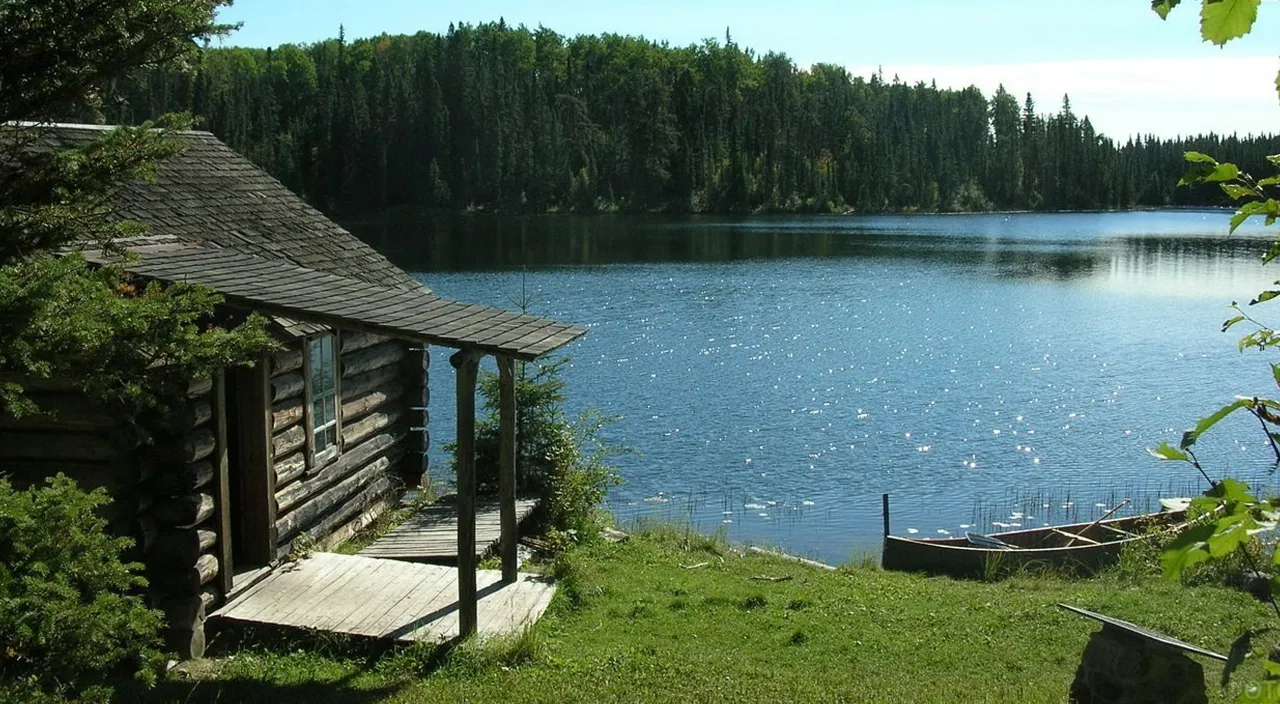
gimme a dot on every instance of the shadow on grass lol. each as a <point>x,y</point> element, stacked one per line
<point>368,669</point>
<point>253,690</point>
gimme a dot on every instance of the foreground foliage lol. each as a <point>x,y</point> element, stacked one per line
<point>119,341</point>
<point>1228,514</point>
<point>676,616</point>
<point>71,622</point>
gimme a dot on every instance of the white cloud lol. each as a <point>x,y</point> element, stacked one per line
<point>1165,97</point>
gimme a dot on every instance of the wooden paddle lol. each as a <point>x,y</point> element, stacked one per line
<point>1103,517</point>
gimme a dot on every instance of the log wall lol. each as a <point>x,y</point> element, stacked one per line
<point>327,503</point>
<point>159,489</point>
<point>183,560</point>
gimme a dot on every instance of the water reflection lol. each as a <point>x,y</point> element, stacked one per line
<point>1057,247</point>
<point>779,374</point>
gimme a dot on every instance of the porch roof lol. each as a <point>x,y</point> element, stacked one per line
<point>281,288</point>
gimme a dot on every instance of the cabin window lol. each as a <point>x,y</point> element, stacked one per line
<point>322,386</point>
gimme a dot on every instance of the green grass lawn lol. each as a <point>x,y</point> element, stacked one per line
<point>632,623</point>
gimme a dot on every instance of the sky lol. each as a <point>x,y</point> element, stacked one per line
<point>1124,68</point>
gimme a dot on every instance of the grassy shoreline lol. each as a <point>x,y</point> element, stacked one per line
<point>674,616</point>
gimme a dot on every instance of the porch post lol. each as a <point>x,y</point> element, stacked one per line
<point>507,467</point>
<point>467,364</point>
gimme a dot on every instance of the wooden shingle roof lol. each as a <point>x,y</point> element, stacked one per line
<point>280,288</point>
<point>215,219</point>
<point>209,193</point>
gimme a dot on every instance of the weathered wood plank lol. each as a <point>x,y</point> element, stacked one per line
<point>286,413</point>
<point>285,361</point>
<point>181,547</point>
<point>431,534</point>
<point>467,366</point>
<point>221,463</point>
<point>507,466</point>
<point>257,506</point>
<point>290,468</point>
<point>355,341</point>
<point>349,462</point>
<point>291,523</point>
<point>364,428</point>
<point>183,479</point>
<point>357,407</point>
<point>394,600</point>
<point>286,386</point>
<point>361,384</point>
<point>183,511</point>
<point>196,445</point>
<point>288,441</point>
<point>371,358</point>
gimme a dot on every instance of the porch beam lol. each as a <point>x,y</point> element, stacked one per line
<point>507,466</point>
<point>467,365</point>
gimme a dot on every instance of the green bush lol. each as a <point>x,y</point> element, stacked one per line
<point>71,623</point>
<point>565,462</point>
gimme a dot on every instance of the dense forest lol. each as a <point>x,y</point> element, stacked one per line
<point>513,119</point>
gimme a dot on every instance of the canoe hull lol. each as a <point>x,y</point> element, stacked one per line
<point>1039,548</point>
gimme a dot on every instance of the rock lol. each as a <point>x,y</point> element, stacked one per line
<point>614,535</point>
<point>1120,668</point>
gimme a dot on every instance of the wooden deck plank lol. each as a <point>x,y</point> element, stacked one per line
<point>337,610</point>
<point>429,581</point>
<point>295,612</point>
<point>395,587</point>
<point>392,599</point>
<point>270,590</point>
<point>432,534</point>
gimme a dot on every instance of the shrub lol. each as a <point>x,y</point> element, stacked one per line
<point>566,462</point>
<point>71,622</point>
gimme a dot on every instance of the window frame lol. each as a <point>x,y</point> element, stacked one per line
<point>317,458</point>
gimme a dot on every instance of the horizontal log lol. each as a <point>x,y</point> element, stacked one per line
<point>180,547</point>
<point>183,511</point>
<point>67,412</point>
<point>114,477</point>
<point>286,413</point>
<point>330,537</point>
<point>184,624</point>
<point>144,533</point>
<point>193,414</point>
<point>354,341</point>
<point>183,479</point>
<point>371,358</point>
<point>288,440</point>
<point>290,468</point>
<point>365,427</point>
<point>285,361</point>
<point>290,524</point>
<point>199,387</point>
<point>349,462</point>
<point>361,405</point>
<point>286,386</point>
<point>357,386</point>
<point>57,446</point>
<point>186,580</point>
<point>197,445</point>
<point>342,513</point>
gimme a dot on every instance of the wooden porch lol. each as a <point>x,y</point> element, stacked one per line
<point>387,599</point>
<point>431,534</point>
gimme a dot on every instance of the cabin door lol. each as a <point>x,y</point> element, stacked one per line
<point>250,501</point>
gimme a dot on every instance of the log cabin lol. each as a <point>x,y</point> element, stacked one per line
<point>311,442</point>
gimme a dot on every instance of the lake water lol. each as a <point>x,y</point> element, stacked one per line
<point>778,374</point>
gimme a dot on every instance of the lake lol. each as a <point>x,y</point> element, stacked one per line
<point>776,375</point>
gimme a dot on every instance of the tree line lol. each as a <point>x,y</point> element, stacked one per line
<point>507,118</point>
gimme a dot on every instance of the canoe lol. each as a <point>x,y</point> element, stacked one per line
<point>1096,545</point>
